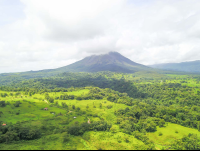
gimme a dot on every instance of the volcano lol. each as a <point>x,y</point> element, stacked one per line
<point>113,61</point>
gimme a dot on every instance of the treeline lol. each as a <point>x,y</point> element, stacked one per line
<point>190,142</point>
<point>139,114</point>
<point>94,126</point>
<point>143,114</point>
<point>178,106</point>
<point>16,132</point>
<point>168,94</point>
<point>67,80</point>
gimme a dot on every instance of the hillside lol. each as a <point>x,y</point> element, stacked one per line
<point>96,118</point>
<point>191,66</point>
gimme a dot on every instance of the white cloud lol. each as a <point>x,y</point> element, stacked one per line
<point>55,33</point>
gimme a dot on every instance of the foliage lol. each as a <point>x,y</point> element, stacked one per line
<point>18,132</point>
<point>190,142</point>
<point>2,103</point>
<point>17,103</point>
<point>130,104</point>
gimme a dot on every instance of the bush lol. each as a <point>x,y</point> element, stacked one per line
<point>51,100</point>
<point>119,140</point>
<point>190,142</point>
<point>86,136</point>
<point>78,98</point>
<point>100,126</point>
<point>56,98</point>
<point>109,106</point>
<point>78,108</point>
<point>126,139</point>
<point>95,115</point>
<point>113,129</point>
<point>7,103</point>
<point>10,136</point>
<point>75,130</point>
<point>2,103</point>
<point>160,134</point>
<point>161,123</point>
<point>65,137</point>
<point>55,131</point>
<point>17,103</point>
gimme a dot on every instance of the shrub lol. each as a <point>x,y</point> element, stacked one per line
<point>2,103</point>
<point>160,134</point>
<point>51,100</point>
<point>17,103</point>
<point>78,98</point>
<point>75,130</point>
<point>78,108</point>
<point>127,139</point>
<point>113,129</point>
<point>109,106</point>
<point>161,123</point>
<point>65,137</point>
<point>10,136</point>
<point>86,136</point>
<point>95,115</point>
<point>7,103</point>
<point>17,113</point>
<point>56,98</point>
<point>119,140</point>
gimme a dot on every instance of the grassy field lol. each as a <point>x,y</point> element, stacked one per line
<point>170,133</point>
<point>113,141</point>
<point>50,142</point>
<point>32,112</point>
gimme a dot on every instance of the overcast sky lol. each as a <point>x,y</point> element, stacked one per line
<point>46,34</point>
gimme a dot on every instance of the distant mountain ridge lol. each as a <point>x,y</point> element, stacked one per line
<point>113,61</point>
<point>189,66</point>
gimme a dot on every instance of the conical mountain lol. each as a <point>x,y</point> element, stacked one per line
<point>113,61</point>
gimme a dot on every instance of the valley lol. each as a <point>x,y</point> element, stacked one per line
<point>142,110</point>
<point>99,75</point>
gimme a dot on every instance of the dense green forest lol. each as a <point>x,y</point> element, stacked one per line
<point>103,110</point>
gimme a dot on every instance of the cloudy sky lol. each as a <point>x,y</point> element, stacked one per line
<point>45,34</point>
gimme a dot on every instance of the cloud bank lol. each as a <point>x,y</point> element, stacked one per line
<point>55,33</point>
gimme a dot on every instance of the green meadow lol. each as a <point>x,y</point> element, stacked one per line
<point>158,113</point>
<point>169,134</point>
<point>31,112</point>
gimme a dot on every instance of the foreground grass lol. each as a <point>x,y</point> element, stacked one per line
<point>170,133</point>
<point>113,141</point>
<point>50,142</point>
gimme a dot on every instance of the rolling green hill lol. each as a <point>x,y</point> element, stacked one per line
<point>90,118</point>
